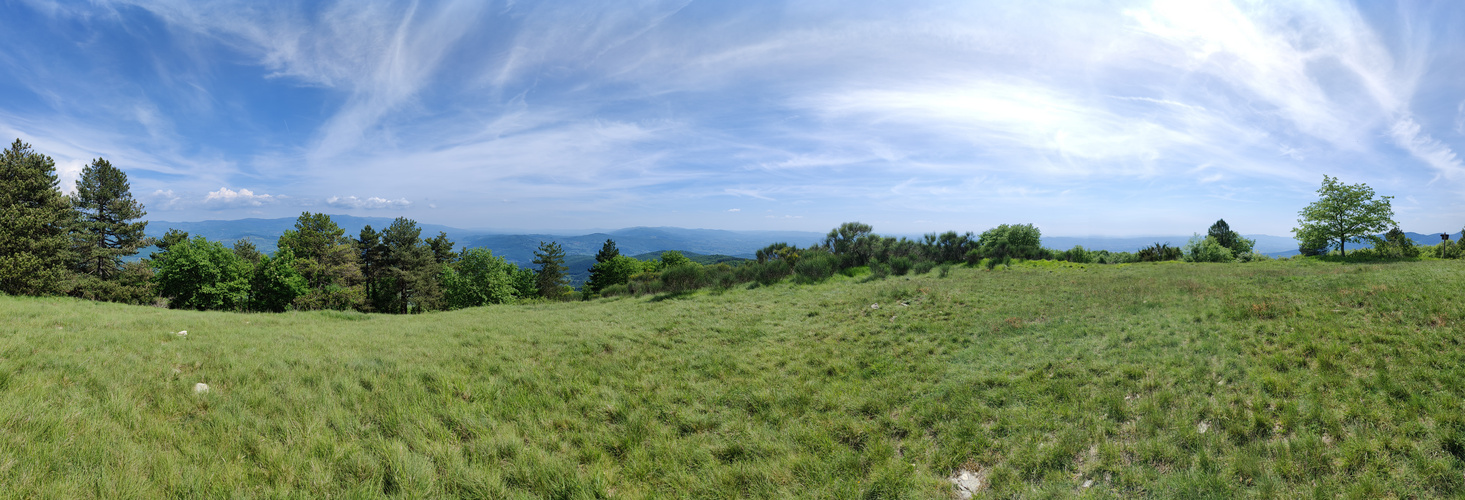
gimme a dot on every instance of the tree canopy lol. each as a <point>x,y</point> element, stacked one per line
<point>34,239</point>
<point>107,227</point>
<point>1343,213</point>
<point>551,280</point>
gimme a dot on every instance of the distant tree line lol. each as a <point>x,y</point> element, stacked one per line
<point>52,244</point>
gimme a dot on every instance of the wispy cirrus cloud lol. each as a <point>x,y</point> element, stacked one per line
<point>585,113</point>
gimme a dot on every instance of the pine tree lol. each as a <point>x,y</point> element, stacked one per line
<point>410,268</point>
<point>551,279</point>
<point>107,228</point>
<point>607,251</point>
<point>442,248</point>
<point>329,260</point>
<point>371,255</point>
<point>34,216</point>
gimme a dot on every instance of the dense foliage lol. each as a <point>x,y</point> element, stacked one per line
<point>1342,213</point>
<point>51,244</point>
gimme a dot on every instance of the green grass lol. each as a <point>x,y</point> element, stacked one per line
<point>1311,379</point>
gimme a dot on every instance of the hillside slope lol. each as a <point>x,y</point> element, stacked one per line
<point>1271,379</point>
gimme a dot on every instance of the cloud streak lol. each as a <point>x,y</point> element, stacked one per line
<point>1139,115</point>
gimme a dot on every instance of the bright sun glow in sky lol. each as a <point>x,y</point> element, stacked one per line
<point>1085,118</point>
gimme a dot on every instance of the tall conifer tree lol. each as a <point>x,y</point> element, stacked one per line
<point>551,278</point>
<point>107,227</point>
<point>34,216</point>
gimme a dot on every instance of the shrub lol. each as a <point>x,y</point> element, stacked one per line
<point>615,290</point>
<point>879,270</point>
<point>945,270</point>
<point>768,273</point>
<point>1395,245</point>
<point>924,267</point>
<point>682,278</point>
<point>973,257</point>
<point>1021,241</point>
<point>901,265</point>
<point>1158,252</point>
<point>814,268</point>
<point>1206,249</point>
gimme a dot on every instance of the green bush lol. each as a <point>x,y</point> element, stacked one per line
<point>682,278</point>
<point>770,272</point>
<point>1206,249</point>
<point>900,266</point>
<point>1019,241</point>
<point>879,270</point>
<point>923,267</point>
<point>1158,252</point>
<point>615,290</point>
<point>814,268</point>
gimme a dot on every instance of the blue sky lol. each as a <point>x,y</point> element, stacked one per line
<point>1084,118</point>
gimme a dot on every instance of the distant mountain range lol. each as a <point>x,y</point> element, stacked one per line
<point>711,245</point>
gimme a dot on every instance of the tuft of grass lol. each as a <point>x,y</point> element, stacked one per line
<point>1269,379</point>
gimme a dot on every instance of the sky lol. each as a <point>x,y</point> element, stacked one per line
<point>1083,118</point>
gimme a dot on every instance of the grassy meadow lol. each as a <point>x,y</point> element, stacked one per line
<point>1276,379</point>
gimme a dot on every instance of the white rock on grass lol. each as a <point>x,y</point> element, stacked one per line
<point>966,483</point>
<point>200,388</point>
<point>182,333</point>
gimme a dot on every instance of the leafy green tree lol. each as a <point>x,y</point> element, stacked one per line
<point>1206,249</point>
<point>948,246</point>
<point>551,280</point>
<point>170,238</point>
<point>202,274</point>
<point>841,240</point>
<point>673,258</point>
<point>247,252</point>
<point>1394,245</point>
<point>477,278</point>
<point>107,227</point>
<point>328,259</point>
<point>34,220</point>
<point>525,282</point>
<point>607,252</point>
<point>1228,239</point>
<point>777,251</point>
<point>616,271</point>
<point>275,284</point>
<point>1344,213</point>
<point>1017,241</point>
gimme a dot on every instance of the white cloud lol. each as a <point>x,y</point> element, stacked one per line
<point>164,199</point>
<point>1407,135</point>
<point>748,192</point>
<point>371,203</point>
<point>734,209</point>
<point>228,198</point>
<point>1460,118</point>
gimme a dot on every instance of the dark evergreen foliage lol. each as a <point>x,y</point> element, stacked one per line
<point>34,242</point>
<point>107,225</point>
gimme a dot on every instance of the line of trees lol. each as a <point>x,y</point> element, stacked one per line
<point>56,244</point>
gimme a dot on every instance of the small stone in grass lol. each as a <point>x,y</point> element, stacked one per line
<point>1203,427</point>
<point>200,388</point>
<point>182,333</point>
<point>874,306</point>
